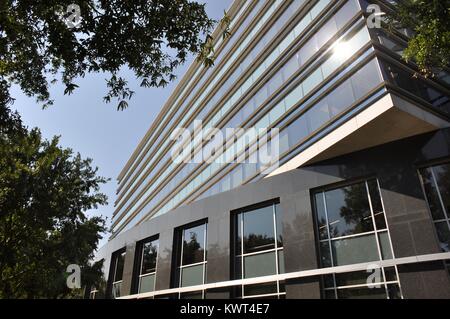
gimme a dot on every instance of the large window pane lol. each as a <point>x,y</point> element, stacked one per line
<point>259,230</point>
<point>318,115</point>
<point>119,266</point>
<point>348,211</point>
<point>366,79</point>
<point>355,250</point>
<point>191,276</point>
<point>149,254</point>
<point>341,99</point>
<point>194,244</point>
<point>297,131</point>
<point>147,283</point>
<point>260,265</point>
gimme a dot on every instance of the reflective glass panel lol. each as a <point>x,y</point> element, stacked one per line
<point>259,230</point>
<point>149,255</point>
<point>260,265</point>
<point>194,244</point>
<point>348,211</point>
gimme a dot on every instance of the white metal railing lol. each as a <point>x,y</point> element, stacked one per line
<point>297,274</point>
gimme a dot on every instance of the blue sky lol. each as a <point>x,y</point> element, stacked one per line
<point>97,130</point>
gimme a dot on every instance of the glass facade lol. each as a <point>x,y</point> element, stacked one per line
<point>299,61</point>
<point>192,261</point>
<point>270,76</point>
<point>258,250</point>
<point>305,68</point>
<point>352,229</point>
<point>118,263</point>
<point>148,260</point>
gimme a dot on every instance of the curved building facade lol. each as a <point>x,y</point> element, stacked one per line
<point>306,155</point>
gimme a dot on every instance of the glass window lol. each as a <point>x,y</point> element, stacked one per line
<point>258,230</point>
<point>341,99</point>
<point>348,211</point>
<point>119,266</point>
<point>194,245</point>
<point>147,275</point>
<point>258,234</point>
<point>149,255</point>
<point>118,262</point>
<point>351,229</point>
<point>354,250</point>
<point>318,115</point>
<point>191,276</point>
<point>416,86</point>
<point>436,185</point>
<point>297,131</point>
<point>366,79</point>
<point>191,268</point>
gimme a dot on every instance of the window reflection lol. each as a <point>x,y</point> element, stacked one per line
<point>406,81</point>
<point>148,259</point>
<point>194,245</point>
<point>258,234</point>
<point>436,185</point>
<point>348,211</point>
<point>351,228</point>
<point>192,262</point>
<point>118,262</point>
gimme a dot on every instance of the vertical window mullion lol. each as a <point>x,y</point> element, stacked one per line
<point>329,242</point>
<point>140,270</point>
<point>242,251</point>
<point>389,237</point>
<point>276,246</point>
<point>181,261</point>
<point>380,255</point>
<point>204,257</point>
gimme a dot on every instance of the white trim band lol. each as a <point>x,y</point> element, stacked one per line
<point>297,274</point>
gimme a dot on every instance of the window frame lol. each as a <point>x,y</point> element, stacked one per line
<point>321,191</point>
<point>445,211</point>
<point>139,260</point>
<point>114,283</point>
<point>238,232</point>
<point>179,251</point>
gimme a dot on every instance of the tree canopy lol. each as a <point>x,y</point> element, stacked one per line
<point>429,47</point>
<point>45,191</point>
<point>42,41</point>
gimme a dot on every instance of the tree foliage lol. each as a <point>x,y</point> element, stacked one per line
<point>42,40</point>
<point>45,191</point>
<point>429,47</point>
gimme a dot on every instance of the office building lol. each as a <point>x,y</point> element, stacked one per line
<point>354,201</point>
